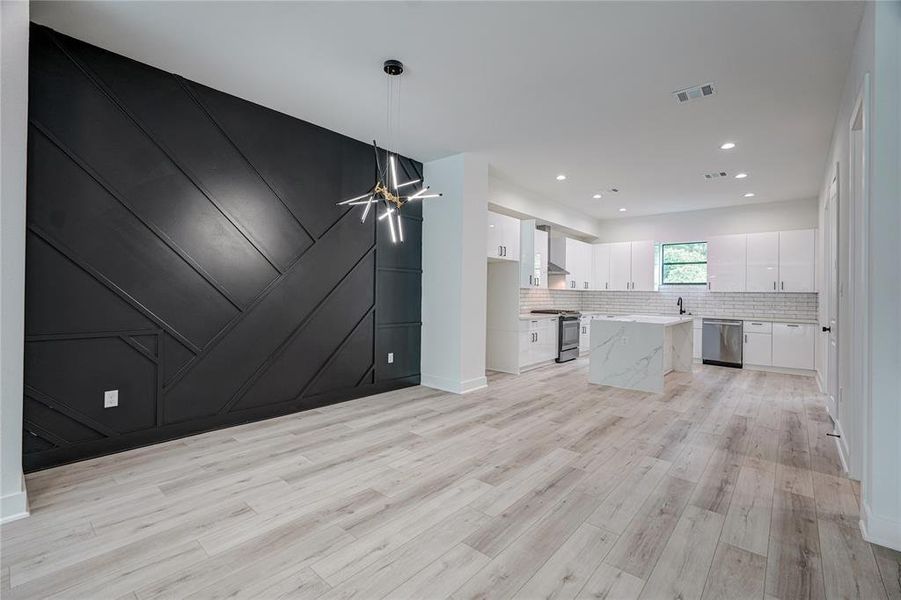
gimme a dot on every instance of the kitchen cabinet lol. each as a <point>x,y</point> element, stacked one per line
<point>726,263</point>
<point>621,266</point>
<point>697,338</point>
<point>758,343</point>
<point>578,263</point>
<point>537,341</point>
<point>533,251</point>
<point>794,345</point>
<point>584,334</point>
<point>642,263</point>
<point>502,237</point>
<point>763,262</point>
<point>797,258</point>
<point>600,266</point>
<point>631,266</point>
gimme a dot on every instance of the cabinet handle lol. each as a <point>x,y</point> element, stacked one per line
<point>500,250</point>
<point>790,325</point>
<point>605,285</point>
<point>782,285</point>
<point>708,285</point>
<point>774,286</point>
<point>746,338</point>
<point>505,251</point>
<point>530,280</point>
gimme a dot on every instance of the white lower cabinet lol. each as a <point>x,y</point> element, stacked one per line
<point>794,345</point>
<point>584,334</point>
<point>697,337</point>
<point>758,349</point>
<point>537,341</point>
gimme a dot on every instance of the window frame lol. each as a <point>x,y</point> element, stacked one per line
<point>663,262</point>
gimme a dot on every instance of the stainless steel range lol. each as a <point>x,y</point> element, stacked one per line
<point>567,332</point>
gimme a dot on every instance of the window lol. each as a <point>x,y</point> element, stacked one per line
<point>684,264</point>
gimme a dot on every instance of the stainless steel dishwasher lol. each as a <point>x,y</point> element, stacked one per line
<point>721,343</point>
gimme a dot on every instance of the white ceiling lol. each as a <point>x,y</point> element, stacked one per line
<point>539,88</point>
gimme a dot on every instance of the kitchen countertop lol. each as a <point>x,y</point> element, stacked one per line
<point>665,320</point>
<point>536,316</point>
<point>732,317</point>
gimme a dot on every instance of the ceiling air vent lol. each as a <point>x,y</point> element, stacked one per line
<point>693,93</point>
<point>715,175</point>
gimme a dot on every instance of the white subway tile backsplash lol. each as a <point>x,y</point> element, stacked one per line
<point>697,301</point>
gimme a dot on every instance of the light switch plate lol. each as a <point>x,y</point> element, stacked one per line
<point>110,398</point>
<point>390,357</point>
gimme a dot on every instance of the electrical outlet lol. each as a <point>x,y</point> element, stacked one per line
<point>110,398</point>
<point>390,357</point>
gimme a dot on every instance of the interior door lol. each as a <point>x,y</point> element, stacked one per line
<point>832,294</point>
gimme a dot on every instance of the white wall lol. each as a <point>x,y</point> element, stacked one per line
<point>873,425</point>
<point>882,462</point>
<point>454,274</point>
<point>508,198</point>
<point>13,136</point>
<point>697,224</point>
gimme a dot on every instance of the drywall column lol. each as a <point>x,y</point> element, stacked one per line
<point>881,519</point>
<point>13,137</point>
<point>454,274</point>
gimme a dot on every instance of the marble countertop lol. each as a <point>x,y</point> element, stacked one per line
<point>536,316</point>
<point>665,320</point>
<point>771,319</point>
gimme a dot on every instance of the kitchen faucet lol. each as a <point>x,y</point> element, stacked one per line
<point>679,302</point>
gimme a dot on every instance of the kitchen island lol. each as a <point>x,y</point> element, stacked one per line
<point>634,352</point>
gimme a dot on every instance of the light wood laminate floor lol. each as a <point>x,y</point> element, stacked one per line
<point>540,486</point>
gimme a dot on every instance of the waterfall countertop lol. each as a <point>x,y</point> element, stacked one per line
<point>634,352</point>
<point>665,320</point>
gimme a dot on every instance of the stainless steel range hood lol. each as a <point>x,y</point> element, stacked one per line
<point>556,252</point>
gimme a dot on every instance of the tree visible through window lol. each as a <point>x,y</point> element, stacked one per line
<point>684,264</point>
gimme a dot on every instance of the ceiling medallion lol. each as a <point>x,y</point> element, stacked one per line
<point>387,191</point>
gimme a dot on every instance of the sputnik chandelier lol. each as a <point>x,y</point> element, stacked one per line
<point>387,191</point>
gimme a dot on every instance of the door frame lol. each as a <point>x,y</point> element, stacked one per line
<point>832,384</point>
<point>854,423</point>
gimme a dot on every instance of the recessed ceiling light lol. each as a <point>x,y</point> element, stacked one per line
<point>728,146</point>
<point>597,196</point>
<point>561,177</point>
<point>622,210</point>
<point>741,175</point>
<point>749,195</point>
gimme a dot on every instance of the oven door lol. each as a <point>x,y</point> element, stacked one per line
<point>569,334</point>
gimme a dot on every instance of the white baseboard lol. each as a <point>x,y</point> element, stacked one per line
<point>783,370</point>
<point>879,530</point>
<point>14,506</point>
<point>453,385</point>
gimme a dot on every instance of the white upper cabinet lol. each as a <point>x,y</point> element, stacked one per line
<point>600,267</point>
<point>726,260</point>
<point>797,259</point>
<point>642,263</point>
<point>532,256</point>
<point>763,262</point>
<point>620,266</point>
<point>578,263</point>
<point>502,237</point>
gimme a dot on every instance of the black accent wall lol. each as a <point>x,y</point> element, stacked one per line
<point>185,248</point>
